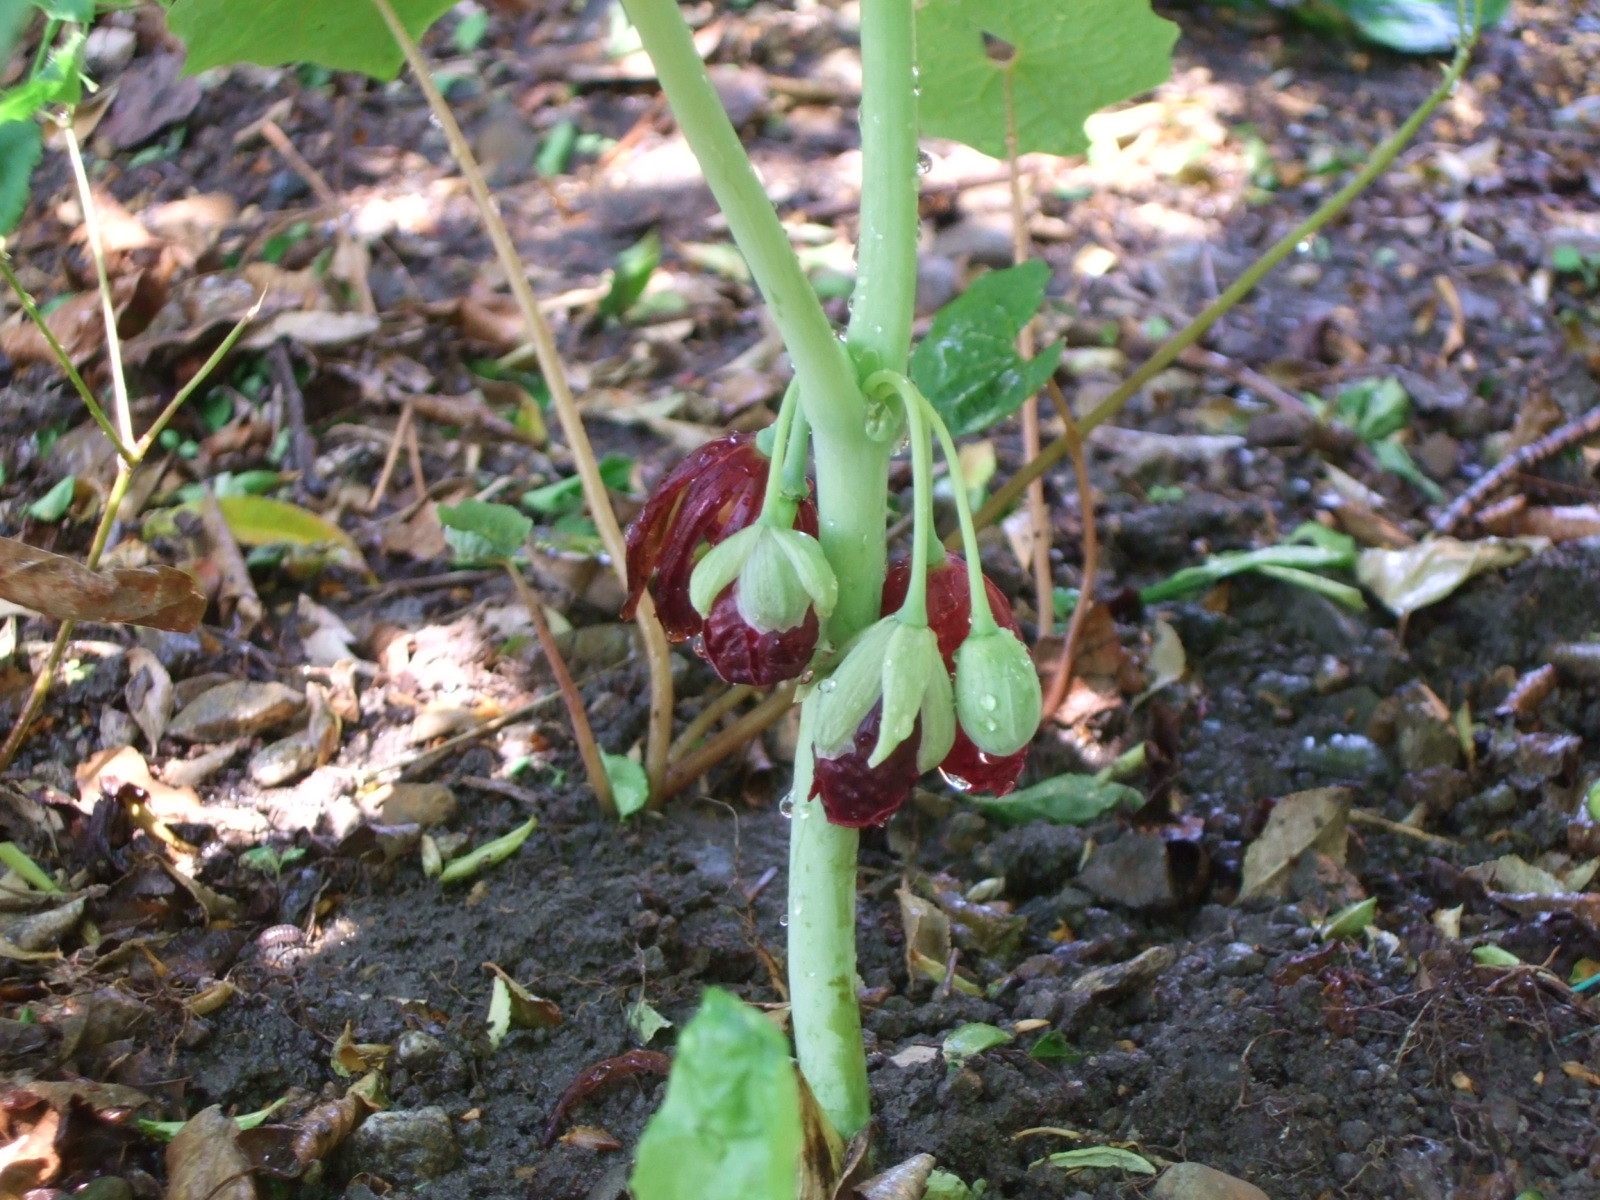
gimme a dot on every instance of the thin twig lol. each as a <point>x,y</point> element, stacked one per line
<point>280,142</point>
<point>696,729</point>
<point>1376,164</point>
<point>1362,816</point>
<point>582,731</point>
<point>417,761</point>
<point>555,377</point>
<point>1062,679</point>
<point>64,360</point>
<point>1553,443</point>
<point>754,723</point>
<point>393,456</point>
<point>122,410</point>
<point>419,481</point>
<point>142,447</point>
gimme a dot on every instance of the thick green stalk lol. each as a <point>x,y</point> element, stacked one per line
<point>827,380</point>
<point>886,251</point>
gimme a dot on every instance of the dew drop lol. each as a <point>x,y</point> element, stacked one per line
<point>956,782</point>
<point>786,807</point>
<point>988,703</point>
<point>991,726</point>
<point>826,686</point>
<point>784,920</point>
<point>924,162</point>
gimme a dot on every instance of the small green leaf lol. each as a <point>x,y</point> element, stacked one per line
<point>1054,1047</point>
<point>478,531</point>
<point>1104,1157</point>
<point>469,31</point>
<point>942,1185</point>
<point>53,505</point>
<point>566,495</point>
<point>1284,556</point>
<point>21,145</point>
<point>343,35</point>
<point>968,366</point>
<point>555,152</point>
<point>488,854</point>
<point>1494,956</point>
<point>1351,920</point>
<point>15,859</point>
<point>964,1041</point>
<point>1065,62</point>
<point>646,1022</point>
<point>630,786</point>
<point>1064,800</point>
<point>80,12</point>
<point>1417,26</point>
<point>729,1128</point>
<point>634,267</point>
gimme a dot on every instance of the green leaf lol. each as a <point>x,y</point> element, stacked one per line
<point>343,35</point>
<point>1494,956</point>
<point>1374,408</point>
<point>1417,26</point>
<point>1352,919</point>
<point>1394,458</point>
<point>942,1185</point>
<point>469,31</point>
<point>482,532</point>
<point>968,366</point>
<point>566,495</point>
<point>964,1041</point>
<point>646,1022</point>
<point>729,1128</point>
<point>21,145</point>
<point>1064,800</point>
<point>1284,556</point>
<point>1105,1157</point>
<point>634,267</point>
<point>555,152</point>
<point>53,505</point>
<point>16,860</point>
<point>488,854</point>
<point>1054,1047</point>
<point>630,786</point>
<point>1066,62</point>
<point>80,12</point>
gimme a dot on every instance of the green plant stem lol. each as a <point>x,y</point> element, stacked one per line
<point>64,359</point>
<point>982,620</point>
<point>823,1007</point>
<point>776,506</point>
<point>798,458</point>
<point>121,409</point>
<point>1191,333</point>
<point>827,380</point>
<point>142,447</point>
<point>884,300</point>
<point>554,371</point>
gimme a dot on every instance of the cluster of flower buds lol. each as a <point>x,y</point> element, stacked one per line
<point>908,697</point>
<point>721,570</point>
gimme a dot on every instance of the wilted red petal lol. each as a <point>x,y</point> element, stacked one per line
<point>968,769</point>
<point>949,605</point>
<point>739,653</point>
<point>856,795</point>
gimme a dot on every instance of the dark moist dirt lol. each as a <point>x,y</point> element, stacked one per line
<point>1383,1068</point>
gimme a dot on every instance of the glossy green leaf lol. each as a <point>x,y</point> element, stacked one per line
<point>630,786</point>
<point>1494,956</point>
<point>566,495</point>
<point>942,1185</point>
<point>1103,1157</point>
<point>962,1042</point>
<point>1351,920</point>
<point>1054,64</point>
<point>729,1127</point>
<point>634,267</point>
<point>478,531</point>
<point>488,854</point>
<point>343,35</point>
<point>53,505</point>
<point>968,366</point>
<point>1064,800</point>
<point>1418,26</point>
<point>21,145</point>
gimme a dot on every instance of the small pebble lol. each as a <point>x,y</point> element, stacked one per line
<point>1194,1181</point>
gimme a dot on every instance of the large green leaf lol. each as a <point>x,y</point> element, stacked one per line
<point>345,35</point>
<point>482,532</point>
<point>968,366</point>
<point>1417,26</point>
<point>20,147</point>
<point>1065,59</point>
<point>729,1128</point>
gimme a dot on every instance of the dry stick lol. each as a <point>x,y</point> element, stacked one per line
<point>588,748</point>
<point>1553,443</point>
<point>555,375</point>
<point>696,729</point>
<point>419,481</point>
<point>62,357</point>
<point>390,459</point>
<point>280,142</point>
<point>1218,308</point>
<point>1062,679</point>
<point>1044,602</point>
<point>754,723</point>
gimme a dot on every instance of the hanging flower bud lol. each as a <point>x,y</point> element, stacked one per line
<point>714,492</point>
<point>741,653</point>
<point>855,794</point>
<point>949,603</point>
<point>998,698</point>
<point>782,575</point>
<point>895,668</point>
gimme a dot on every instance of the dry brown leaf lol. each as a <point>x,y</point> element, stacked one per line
<point>590,1137</point>
<point>149,694</point>
<point>160,597</point>
<point>28,1158</point>
<point>110,769</point>
<point>1313,820</point>
<point>204,1161</point>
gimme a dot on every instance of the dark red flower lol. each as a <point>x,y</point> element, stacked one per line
<point>950,617</point>
<point>856,795</point>
<point>715,491</point>
<point>740,653</point>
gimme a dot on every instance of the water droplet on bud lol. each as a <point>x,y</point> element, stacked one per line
<point>786,806</point>
<point>988,703</point>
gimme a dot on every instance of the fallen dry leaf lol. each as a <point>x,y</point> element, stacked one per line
<point>160,597</point>
<point>204,1161</point>
<point>149,694</point>
<point>1417,576</point>
<point>1313,820</point>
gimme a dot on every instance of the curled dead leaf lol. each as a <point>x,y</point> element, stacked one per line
<point>58,587</point>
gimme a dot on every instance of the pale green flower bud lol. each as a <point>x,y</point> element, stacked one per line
<point>781,574</point>
<point>847,695</point>
<point>900,666</point>
<point>997,692</point>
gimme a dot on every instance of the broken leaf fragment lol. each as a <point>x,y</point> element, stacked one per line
<point>1417,576</point>
<point>964,1041</point>
<point>512,1006</point>
<point>350,1057</point>
<point>1103,1157</point>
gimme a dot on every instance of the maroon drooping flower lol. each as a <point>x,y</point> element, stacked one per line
<point>741,653</point>
<point>950,617</point>
<point>712,493</point>
<point>856,795</point>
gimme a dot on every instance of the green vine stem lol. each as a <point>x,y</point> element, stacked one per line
<point>1191,333</point>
